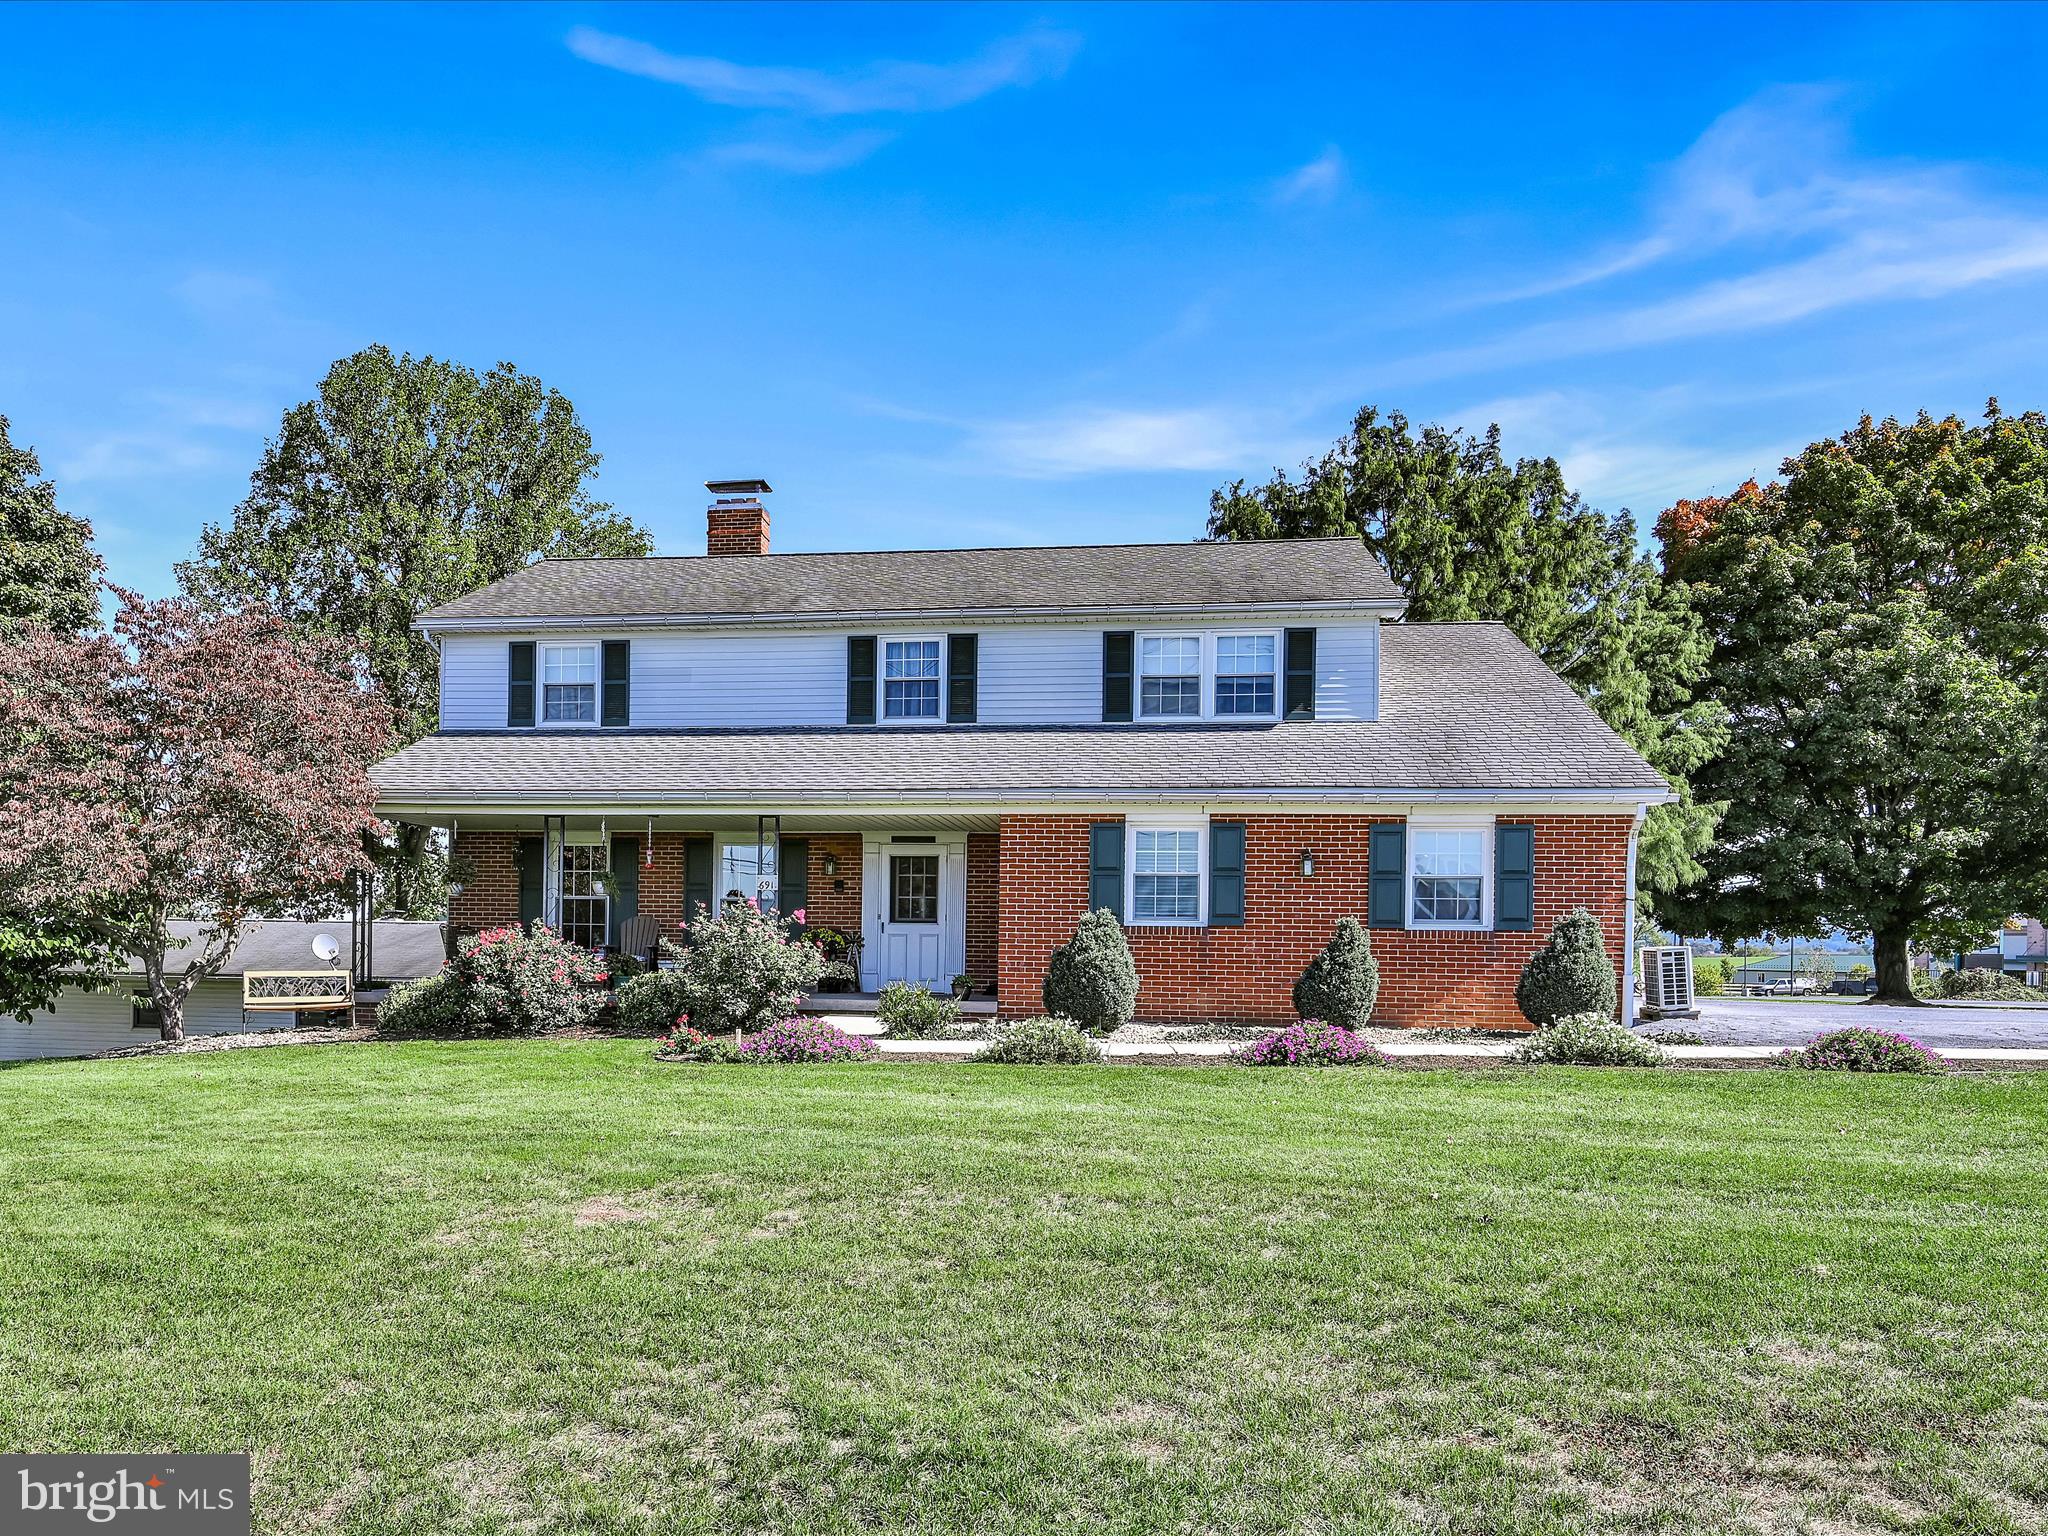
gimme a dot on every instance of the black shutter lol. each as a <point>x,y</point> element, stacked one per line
<point>1117,645</point>
<point>519,690</point>
<point>530,859</point>
<point>1301,675</point>
<point>1226,874</point>
<point>1106,867</point>
<point>963,660</point>
<point>696,877</point>
<point>860,679</point>
<point>1386,896</point>
<point>1514,877</point>
<point>793,894</point>
<point>618,683</point>
<point>625,902</point>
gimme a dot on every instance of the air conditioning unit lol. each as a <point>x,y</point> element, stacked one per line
<point>1667,982</point>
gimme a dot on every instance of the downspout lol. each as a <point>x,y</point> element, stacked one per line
<point>1628,927</point>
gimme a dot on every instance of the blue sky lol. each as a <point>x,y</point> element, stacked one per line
<point>984,275</point>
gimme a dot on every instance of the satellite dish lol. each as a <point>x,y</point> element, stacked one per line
<point>325,947</point>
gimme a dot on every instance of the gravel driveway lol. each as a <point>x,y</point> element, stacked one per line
<point>1794,1021</point>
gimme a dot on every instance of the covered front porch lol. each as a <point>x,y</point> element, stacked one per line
<point>902,898</point>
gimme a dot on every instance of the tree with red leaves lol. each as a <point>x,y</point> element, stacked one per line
<point>188,765</point>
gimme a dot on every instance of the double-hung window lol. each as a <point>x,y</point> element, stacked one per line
<point>1245,672</point>
<point>586,899</point>
<point>910,679</point>
<point>1169,676</point>
<point>1447,874</point>
<point>568,684</point>
<point>1166,875</point>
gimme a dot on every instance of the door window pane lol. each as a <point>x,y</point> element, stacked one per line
<point>1244,674</point>
<point>1170,675</point>
<point>910,679</point>
<point>914,888</point>
<point>1449,874</point>
<point>586,904</point>
<point>1166,879</point>
<point>749,871</point>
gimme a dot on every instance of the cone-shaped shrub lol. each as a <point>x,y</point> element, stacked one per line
<point>1092,979</point>
<point>1571,974</point>
<point>1343,982</point>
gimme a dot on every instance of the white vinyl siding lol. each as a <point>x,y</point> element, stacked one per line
<point>1029,674</point>
<point>86,1023</point>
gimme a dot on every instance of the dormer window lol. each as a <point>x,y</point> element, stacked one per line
<point>1245,669</point>
<point>568,684</point>
<point>1169,676</point>
<point>910,679</point>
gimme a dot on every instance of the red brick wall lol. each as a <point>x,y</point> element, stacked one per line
<point>1426,978</point>
<point>490,888</point>
<point>825,906</point>
<point>984,913</point>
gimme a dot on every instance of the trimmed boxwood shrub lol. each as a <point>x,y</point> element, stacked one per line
<point>911,1012</point>
<point>1092,978</point>
<point>1588,1040</point>
<point>1310,1043</point>
<point>1857,1049</point>
<point>1569,975</point>
<point>1343,982</point>
<point>503,981</point>
<point>1040,1043</point>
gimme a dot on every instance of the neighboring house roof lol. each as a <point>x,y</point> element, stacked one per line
<point>1462,707</point>
<point>1120,578</point>
<point>399,949</point>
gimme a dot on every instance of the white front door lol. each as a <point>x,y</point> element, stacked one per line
<point>914,894</point>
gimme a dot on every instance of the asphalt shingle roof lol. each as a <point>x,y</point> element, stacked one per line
<point>1120,577</point>
<point>1463,706</point>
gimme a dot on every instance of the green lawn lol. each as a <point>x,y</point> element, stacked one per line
<point>554,1286</point>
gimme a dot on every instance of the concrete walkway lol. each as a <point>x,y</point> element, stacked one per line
<point>1788,1021</point>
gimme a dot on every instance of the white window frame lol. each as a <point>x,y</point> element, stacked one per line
<point>1199,825</point>
<point>540,682</point>
<point>718,888</point>
<point>882,644</point>
<point>1215,677</point>
<point>600,846</point>
<point>1484,828</point>
<point>1206,641</point>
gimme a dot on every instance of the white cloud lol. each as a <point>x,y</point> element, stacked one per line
<point>888,86</point>
<point>220,294</point>
<point>801,157</point>
<point>1317,182</point>
<point>135,455</point>
<point>1108,440</point>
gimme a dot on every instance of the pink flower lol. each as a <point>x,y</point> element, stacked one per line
<point>797,916</point>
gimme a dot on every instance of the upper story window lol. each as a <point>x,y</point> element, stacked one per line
<point>1447,876</point>
<point>1166,874</point>
<point>1245,672</point>
<point>568,684</point>
<point>1169,675</point>
<point>910,679</point>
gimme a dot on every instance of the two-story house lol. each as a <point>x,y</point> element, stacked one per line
<point>955,753</point>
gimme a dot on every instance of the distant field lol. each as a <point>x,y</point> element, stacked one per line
<point>552,1285</point>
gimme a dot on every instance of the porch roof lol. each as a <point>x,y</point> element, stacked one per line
<point>1464,708</point>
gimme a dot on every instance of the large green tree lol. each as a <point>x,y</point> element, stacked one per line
<point>1880,628</point>
<point>49,574</point>
<point>404,483</point>
<point>49,579</point>
<point>1469,534</point>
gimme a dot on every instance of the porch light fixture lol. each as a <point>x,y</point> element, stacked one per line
<point>1308,863</point>
<point>831,867</point>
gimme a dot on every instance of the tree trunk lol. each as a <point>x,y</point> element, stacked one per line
<point>172,1011</point>
<point>1894,968</point>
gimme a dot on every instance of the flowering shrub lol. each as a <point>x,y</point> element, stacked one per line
<point>742,969</point>
<point>1310,1043</point>
<point>914,1013</point>
<point>1864,1050</point>
<point>798,1040</point>
<point>650,1003</point>
<point>503,981</point>
<point>1588,1040</point>
<point>682,1043</point>
<point>1040,1043</point>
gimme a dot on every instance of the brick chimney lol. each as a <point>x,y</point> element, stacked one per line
<point>738,522</point>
